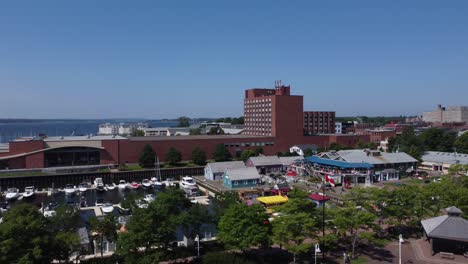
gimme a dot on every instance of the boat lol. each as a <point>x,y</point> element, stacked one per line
<point>49,209</point>
<point>83,187</point>
<point>149,198</point>
<point>157,179</point>
<point>29,192</point>
<point>107,208</point>
<point>170,182</point>
<point>122,185</point>
<point>146,183</point>
<point>99,184</point>
<point>70,189</point>
<point>4,206</point>
<point>187,182</point>
<point>156,184</point>
<point>12,193</point>
<point>99,202</point>
<point>134,185</point>
<point>110,187</point>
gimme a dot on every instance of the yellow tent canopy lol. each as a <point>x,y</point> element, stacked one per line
<point>271,200</point>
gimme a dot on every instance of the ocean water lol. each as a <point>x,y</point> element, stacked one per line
<point>11,131</point>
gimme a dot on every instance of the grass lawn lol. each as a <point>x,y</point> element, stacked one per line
<point>37,173</point>
<point>359,260</point>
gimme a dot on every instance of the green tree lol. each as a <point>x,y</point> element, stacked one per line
<point>150,230</point>
<point>350,223</point>
<point>294,231</point>
<point>105,227</point>
<point>199,156</point>
<point>246,154</point>
<point>222,201</point>
<point>221,153</point>
<point>308,152</point>
<point>147,157</point>
<point>242,226</point>
<point>184,121</point>
<point>195,218</point>
<point>24,237</point>
<point>138,133</point>
<point>258,151</point>
<point>195,131</point>
<point>461,143</point>
<point>64,225</point>
<point>216,131</point>
<point>437,139</point>
<point>173,156</point>
<point>297,225</point>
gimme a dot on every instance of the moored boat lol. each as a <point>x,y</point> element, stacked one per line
<point>83,187</point>
<point>29,192</point>
<point>70,189</point>
<point>187,182</point>
<point>134,185</point>
<point>12,193</point>
<point>146,183</point>
<point>123,185</point>
<point>107,208</point>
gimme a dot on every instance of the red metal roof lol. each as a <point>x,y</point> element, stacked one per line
<point>318,197</point>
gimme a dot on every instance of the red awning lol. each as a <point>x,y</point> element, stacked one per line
<point>318,197</point>
<point>291,173</point>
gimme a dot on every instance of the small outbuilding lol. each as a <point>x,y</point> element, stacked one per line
<point>265,164</point>
<point>214,171</point>
<point>241,178</point>
<point>447,233</point>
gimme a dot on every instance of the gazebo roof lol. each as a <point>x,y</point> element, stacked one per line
<point>451,227</point>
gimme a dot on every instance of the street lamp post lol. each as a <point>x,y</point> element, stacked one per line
<point>317,250</point>
<point>197,238</point>
<point>323,214</point>
<point>400,240</point>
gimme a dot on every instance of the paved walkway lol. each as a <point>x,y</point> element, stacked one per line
<point>422,253</point>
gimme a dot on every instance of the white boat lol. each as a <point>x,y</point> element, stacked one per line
<point>83,187</point>
<point>49,209</point>
<point>156,183</point>
<point>123,185</point>
<point>170,182</point>
<point>29,191</point>
<point>187,182</point>
<point>107,208</point>
<point>99,184</point>
<point>70,189</point>
<point>110,187</point>
<point>149,198</point>
<point>146,183</point>
<point>157,179</point>
<point>12,193</point>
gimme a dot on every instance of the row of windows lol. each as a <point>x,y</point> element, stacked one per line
<point>258,133</point>
<point>250,106</point>
<point>249,144</point>
<point>258,101</point>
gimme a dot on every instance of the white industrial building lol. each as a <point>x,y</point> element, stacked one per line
<point>120,128</point>
<point>451,114</point>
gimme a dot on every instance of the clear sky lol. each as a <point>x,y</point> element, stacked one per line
<point>163,59</point>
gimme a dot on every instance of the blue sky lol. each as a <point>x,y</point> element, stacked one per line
<point>163,59</point>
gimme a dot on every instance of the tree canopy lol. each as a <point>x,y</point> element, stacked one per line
<point>242,226</point>
<point>183,121</point>
<point>199,156</point>
<point>221,153</point>
<point>147,157</point>
<point>173,156</point>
